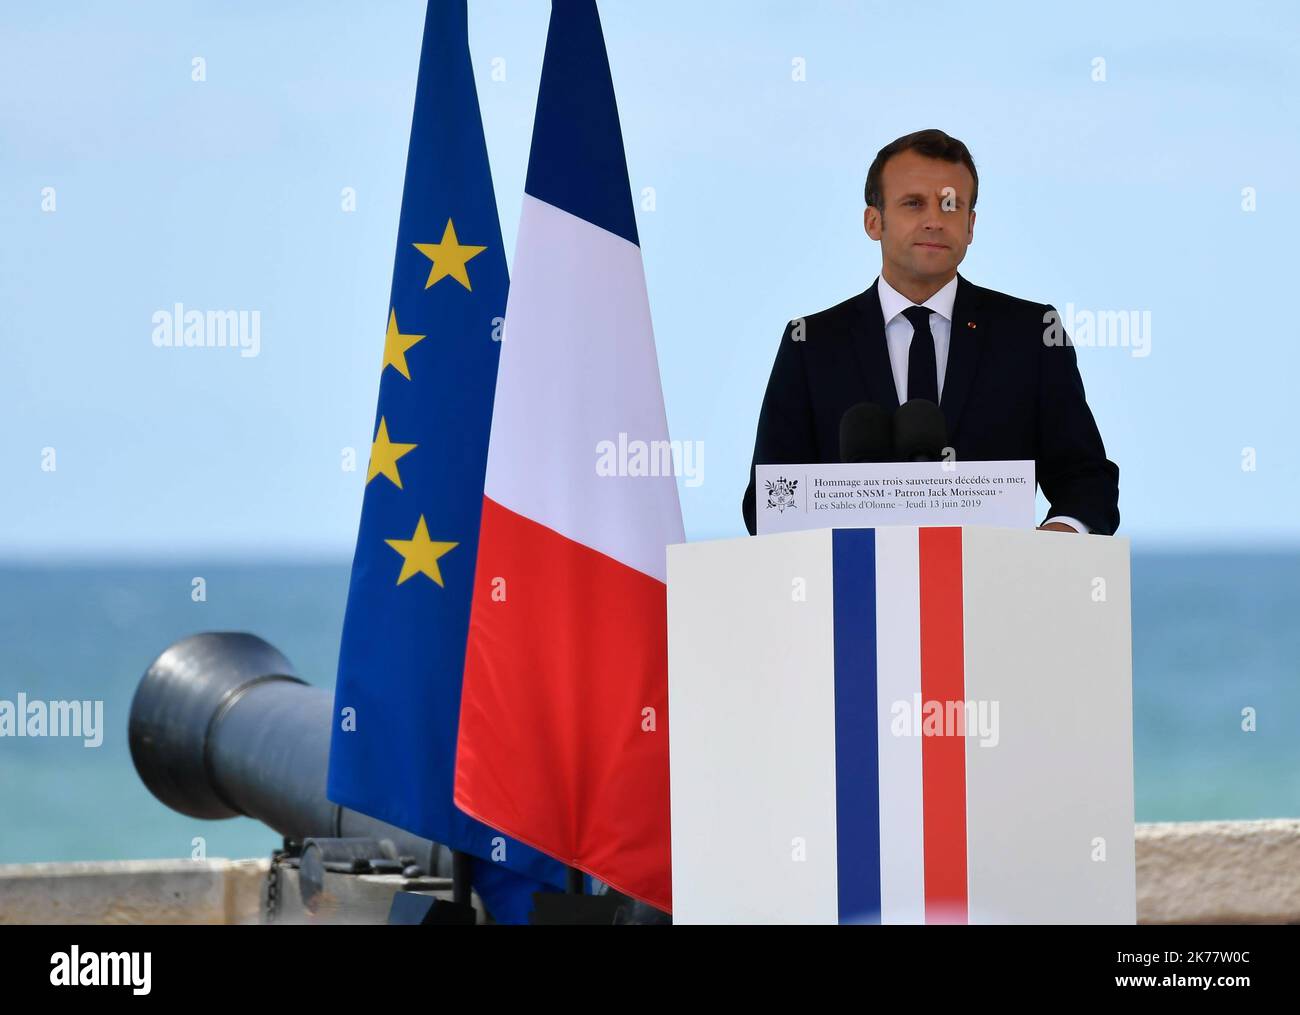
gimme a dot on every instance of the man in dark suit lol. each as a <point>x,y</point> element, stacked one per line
<point>999,367</point>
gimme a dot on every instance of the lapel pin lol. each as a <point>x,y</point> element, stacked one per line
<point>970,324</point>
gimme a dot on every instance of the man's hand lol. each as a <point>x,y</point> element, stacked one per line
<point>1057,527</point>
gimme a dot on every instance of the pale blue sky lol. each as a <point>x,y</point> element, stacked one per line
<point>225,194</point>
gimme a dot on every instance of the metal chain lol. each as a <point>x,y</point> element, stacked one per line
<point>273,884</point>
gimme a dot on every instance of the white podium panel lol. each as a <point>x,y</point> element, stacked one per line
<point>901,725</point>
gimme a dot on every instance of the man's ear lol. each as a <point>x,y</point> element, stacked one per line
<point>872,222</point>
<point>970,232</point>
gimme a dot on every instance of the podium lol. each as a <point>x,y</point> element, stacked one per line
<point>901,725</point>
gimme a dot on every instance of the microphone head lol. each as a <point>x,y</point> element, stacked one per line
<point>866,434</point>
<point>920,431</point>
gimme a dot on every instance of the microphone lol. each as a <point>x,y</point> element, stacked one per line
<point>920,432</point>
<point>866,434</point>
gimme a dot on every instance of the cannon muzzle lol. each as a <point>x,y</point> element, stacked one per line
<point>222,726</point>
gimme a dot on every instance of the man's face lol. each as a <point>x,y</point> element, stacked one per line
<point>927,222</point>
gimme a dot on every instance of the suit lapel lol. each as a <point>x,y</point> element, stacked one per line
<point>872,353</point>
<point>967,343</point>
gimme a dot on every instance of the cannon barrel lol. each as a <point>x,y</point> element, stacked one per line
<point>221,726</point>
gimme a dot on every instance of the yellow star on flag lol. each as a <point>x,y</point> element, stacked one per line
<point>420,554</point>
<point>395,346</point>
<point>448,257</point>
<point>384,455</point>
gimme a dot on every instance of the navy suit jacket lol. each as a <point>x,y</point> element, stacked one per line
<point>1007,394</point>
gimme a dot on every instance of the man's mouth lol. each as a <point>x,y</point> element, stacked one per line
<point>935,246</point>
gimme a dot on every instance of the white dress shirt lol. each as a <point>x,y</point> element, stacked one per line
<point>898,338</point>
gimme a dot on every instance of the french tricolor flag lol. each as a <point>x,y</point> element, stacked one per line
<point>563,740</point>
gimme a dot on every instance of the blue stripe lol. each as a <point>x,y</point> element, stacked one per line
<point>577,162</point>
<point>857,758</point>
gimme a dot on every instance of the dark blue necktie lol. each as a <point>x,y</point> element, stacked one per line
<point>922,374</point>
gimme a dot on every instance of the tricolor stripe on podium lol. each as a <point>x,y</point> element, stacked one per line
<point>889,649</point>
<point>901,725</point>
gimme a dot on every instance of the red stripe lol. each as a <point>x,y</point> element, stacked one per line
<point>551,748</point>
<point>943,758</point>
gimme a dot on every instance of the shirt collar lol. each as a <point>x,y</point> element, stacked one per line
<point>893,303</point>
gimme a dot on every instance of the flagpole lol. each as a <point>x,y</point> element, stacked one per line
<point>462,875</point>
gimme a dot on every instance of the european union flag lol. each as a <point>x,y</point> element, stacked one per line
<point>397,699</point>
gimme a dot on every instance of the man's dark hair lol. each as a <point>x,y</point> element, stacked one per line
<point>934,144</point>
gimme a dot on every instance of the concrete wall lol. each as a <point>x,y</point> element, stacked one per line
<point>1187,872</point>
<point>133,891</point>
<point>1219,871</point>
